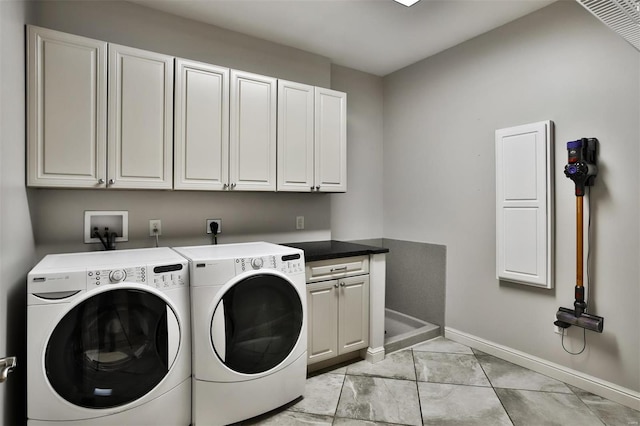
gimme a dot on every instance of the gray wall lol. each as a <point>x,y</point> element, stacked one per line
<point>137,26</point>
<point>559,63</point>
<point>416,279</point>
<point>357,214</point>
<point>16,238</point>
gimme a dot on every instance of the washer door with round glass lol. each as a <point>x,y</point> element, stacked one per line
<point>257,323</point>
<point>113,348</point>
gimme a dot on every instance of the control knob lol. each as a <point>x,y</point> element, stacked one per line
<point>117,275</point>
<point>257,263</point>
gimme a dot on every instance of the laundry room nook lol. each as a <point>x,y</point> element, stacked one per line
<point>324,212</point>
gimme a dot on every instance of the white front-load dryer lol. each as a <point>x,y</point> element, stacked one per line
<point>249,322</point>
<point>109,339</point>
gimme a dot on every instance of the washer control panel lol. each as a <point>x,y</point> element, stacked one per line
<point>158,276</point>
<point>287,264</point>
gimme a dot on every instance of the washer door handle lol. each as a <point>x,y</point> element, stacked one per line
<point>218,333</point>
<point>173,336</point>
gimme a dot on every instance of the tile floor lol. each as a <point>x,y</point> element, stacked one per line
<point>441,382</point>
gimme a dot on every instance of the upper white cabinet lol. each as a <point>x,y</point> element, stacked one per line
<point>312,138</point>
<point>67,110</point>
<point>330,140</point>
<point>295,136</point>
<point>201,126</point>
<point>102,115</point>
<point>140,153</point>
<point>252,132</point>
<point>70,141</point>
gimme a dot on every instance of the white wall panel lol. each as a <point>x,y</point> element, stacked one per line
<point>524,204</point>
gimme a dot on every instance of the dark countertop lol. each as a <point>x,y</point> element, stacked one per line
<point>332,249</point>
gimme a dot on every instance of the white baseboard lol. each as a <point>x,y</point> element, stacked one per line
<point>373,355</point>
<point>605,389</point>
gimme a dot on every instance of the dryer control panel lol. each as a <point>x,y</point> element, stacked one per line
<point>287,264</point>
<point>158,276</point>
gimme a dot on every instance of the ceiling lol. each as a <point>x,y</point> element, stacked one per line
<point>375,36</point>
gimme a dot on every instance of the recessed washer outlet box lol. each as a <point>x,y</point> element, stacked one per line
<point>116,221</point>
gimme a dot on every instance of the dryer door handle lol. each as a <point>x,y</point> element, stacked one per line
<point>218,332</point>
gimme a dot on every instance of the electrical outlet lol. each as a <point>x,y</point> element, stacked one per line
<point>208,224</point>
<point>155,227</point>
<point>559,330</point>
<point>299,222</point>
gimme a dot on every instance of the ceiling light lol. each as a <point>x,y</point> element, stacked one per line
<point>407,3</point>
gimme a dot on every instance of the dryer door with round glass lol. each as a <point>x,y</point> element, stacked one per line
<point>112,348</point>
<point>257,323</point>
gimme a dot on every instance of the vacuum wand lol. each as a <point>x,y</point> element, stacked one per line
<point>582,170</point>
<point>579,304</point>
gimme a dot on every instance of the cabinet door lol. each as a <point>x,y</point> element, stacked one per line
<point>330,140</point>
<point>67,110</point>
<point>295,136</point>
<point>322,314</point>
<point>201,126</point>
<point>353,324</point>
<point>252,144</point>
<point>140,150</point>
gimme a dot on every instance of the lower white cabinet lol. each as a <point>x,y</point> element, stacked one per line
<point>338,317</point>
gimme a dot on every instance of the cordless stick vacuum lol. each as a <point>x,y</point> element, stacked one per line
<point>582,170</point>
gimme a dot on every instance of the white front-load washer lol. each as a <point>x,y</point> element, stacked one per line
<point>249,322</point>
<point>109,339</point>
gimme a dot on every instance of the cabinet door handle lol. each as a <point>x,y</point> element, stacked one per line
<point>101,181</point>
<point>233,185</point>
<point>318,188</point>
<point>6,365</point>
<point>225,186</point>
<point>112,181</point>
<point>342,268</point>
<point>342,284</point>
<point>336,285</point>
